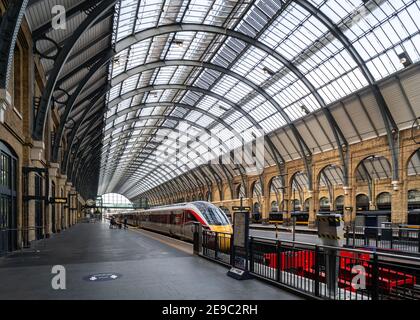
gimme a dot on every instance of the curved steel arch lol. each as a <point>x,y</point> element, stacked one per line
<point>59,62</point>
<point>76,128</point>
<point>387,117</point>
<point>168,104</point>
<point>148,161</point>
<point>200,90</point>
<point>275,152</point>
<point>71,101</point>
<point>183,153</point>
<point>214,95</point>
<point>9,29</point>
<point>154,127</point>
<point>193,63</point>
<point>178,119</point>
<point>179,177</point>
<point>170,28</point>
<point>150,105</point>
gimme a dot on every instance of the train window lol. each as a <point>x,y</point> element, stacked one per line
<point>189,217</point>
<point>212,214</point>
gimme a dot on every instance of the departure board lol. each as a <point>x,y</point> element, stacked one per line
<point>240,229</point>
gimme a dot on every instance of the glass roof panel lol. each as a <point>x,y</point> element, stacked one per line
<point>380,31</point>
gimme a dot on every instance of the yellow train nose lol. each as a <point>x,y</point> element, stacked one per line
<point>223,236</point>
<point>221,229</point>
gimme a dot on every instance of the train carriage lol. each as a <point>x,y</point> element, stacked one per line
<point>178,219</point>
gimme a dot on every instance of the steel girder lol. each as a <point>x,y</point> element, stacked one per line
<point>91,138</point>
<point>59,63</point>
<point>178,62</point>
<point>193,63</point>
<point>88,64</point>
<point>276,154</point>
<point>159,64</point>
<point>9,29</point>
<point>145,34</point>
<point>389,122</point>
<point>178,119</point>
<point>71,101</point>
<point>157,127</point>
<point>76,128</point>
<point>70,13</point>
<point>206,92</point>
<point>148,162</point>
<point>172,148</point>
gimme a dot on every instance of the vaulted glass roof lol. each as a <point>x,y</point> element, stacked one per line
<point>195,79</point>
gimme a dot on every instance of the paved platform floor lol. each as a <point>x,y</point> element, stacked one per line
<point>151,267</point>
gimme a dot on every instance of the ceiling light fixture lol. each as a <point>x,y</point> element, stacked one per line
<point>178,43</point>
<point>268,71</point>
<point>305,109</point>
<point>405,59</point>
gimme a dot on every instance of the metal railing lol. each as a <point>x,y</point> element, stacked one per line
<point>404,240</point>
<point>19,239</point>
<point>217,246</point>
<point>324,272</point>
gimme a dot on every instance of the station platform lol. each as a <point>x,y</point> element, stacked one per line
<point>144,265</point>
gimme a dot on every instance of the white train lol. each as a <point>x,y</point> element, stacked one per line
<point>178,219</point>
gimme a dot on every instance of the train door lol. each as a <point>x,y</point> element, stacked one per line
<point>172,221</point>
<point>177,226</point>
<point>188,224</point>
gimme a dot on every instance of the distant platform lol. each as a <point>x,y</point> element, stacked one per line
<point>103,263</point>
<point>272,227</point>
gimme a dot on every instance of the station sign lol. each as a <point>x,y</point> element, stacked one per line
<point>58,200</point>
<point>241,208</point>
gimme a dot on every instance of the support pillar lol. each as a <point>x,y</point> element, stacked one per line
<point>73,204</point>
<point>62,179</point>
<point>399,203</point>
<point>52,173</point>
<point>67,212</point>
<point>349,214</point>
<point>265,209</point>
<point>313,207</point>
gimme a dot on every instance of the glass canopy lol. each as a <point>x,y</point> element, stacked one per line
<point>187,71</point>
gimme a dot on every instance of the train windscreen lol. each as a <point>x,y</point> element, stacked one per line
<point>212,214</point>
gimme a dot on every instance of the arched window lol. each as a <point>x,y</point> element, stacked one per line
<point>339,204</point>
<point>383,201</point>
<point>324,204</point>
<point>240,192</point>
<point>413,199</point>
<point>274,206</point>
<point>8,202</point>
<point>257,207</point>
<point>306,205</point>
<point>362,202</point>
<point>296,205</point>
